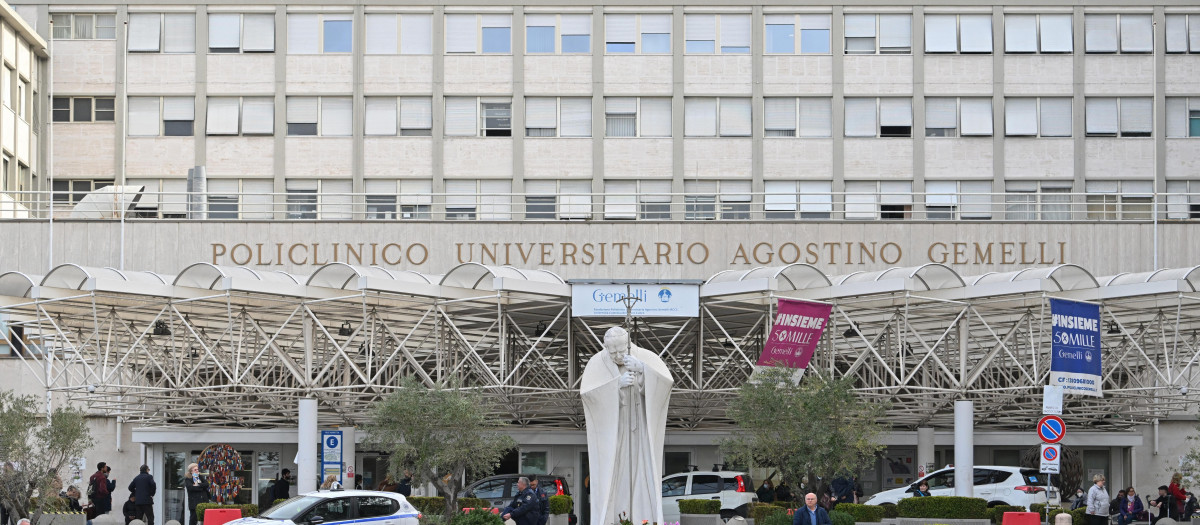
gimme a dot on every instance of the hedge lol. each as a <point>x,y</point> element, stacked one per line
<point>248,509</point>
<point>1039,508</point>
<point>1078,516</point>
<point>478,516</point>
<point>944,507</point>
<point>699,506</point>
<point>778,518</point>
<point>437,504</point>
<point>759,511</point>
<point>862,513</point>
<point>997,512</point>
<point>561,504</point>
<point>840,518</point>
<point>890,511</point>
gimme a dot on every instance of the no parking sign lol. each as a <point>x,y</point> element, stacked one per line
<point>1051,458</point>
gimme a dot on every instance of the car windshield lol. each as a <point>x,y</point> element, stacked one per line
<point>290,509</point>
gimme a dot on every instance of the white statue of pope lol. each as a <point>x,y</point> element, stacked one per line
<point>625,390</point>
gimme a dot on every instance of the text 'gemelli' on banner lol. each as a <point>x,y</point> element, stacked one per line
<point>1075,347</point>
<point>794,334</point>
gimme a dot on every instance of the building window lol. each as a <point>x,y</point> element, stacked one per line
<point>1037,34</point>
<point>878,34</point>
<point>871,200</point>
<point>241,33</point>
<point>1037,117</point>
<point>878,117</point>
<point>473,34</point>
<point>637,117</point>
<point>1183,199</point>
<point>83,109</point>
<point>702,32</point>
<point>1118,33</point>
<point>564,199</point>
<point>951,117</point>
<point>487,200</point>
<point>478,117</point>
<point>1183,117</point>
<point>319,199</point>
<point>565,34</point>
<point>408,116</point>
<point>84,26</point>
<point>403,199</point>
<point>705,200</point>
<point>631,199</point>
<point>241,116</point>
<point>1120,200</point>
<point>783,198</point>
<point>319,33</point>
<point>1124,116</point>
<point>162,33</point>
<point>958,33</point>
<point>780,35</point>
<point>803,117</point>
<point>954,200</point>
<point>319,116</point>
<point>558,117</point>
<point>71,191</point>
<point>1183,33</point>
<point>407,34</point>
<point>234,199</point>
<point>1033,201</point>
<point>645,34</point>
<point>161,116</point>
<point>713,117</point>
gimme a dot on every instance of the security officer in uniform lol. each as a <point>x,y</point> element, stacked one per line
<point>524,507</point>
<point>543,499</point>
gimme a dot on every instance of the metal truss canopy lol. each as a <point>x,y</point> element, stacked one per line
<point>220,346</point>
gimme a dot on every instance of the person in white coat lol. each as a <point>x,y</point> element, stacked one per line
<point>1097,502</point>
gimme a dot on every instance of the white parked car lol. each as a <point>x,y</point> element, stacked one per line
<point>338,506</point>
<point>734,489</point>
<point>998,485</point>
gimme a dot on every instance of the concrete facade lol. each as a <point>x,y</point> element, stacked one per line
<point>23,78</point>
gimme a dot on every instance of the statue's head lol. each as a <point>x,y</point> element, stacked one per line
<point>616,342</point>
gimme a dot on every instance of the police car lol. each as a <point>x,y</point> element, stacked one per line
<point>338,507</point>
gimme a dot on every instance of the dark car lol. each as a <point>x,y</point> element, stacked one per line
<point>500,490</point>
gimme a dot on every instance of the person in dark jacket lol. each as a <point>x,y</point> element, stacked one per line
<point>283,487</point>
<point>524,508</point>
<point>783,493</point>
<point>129,510</point>
<point>197,490</point>
<point>1130,508</point>
<point>811,513</point>
<point>922,490</point>
<point>405,486</point>
<point>842,491</point>
<point>144,489</point>
<point>766,493</point>
<point>100,489</point>
<point>543,501</point>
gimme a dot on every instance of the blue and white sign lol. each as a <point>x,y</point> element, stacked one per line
<point>1075,347</point>
<point>331,453</point>
<point>653,300</point>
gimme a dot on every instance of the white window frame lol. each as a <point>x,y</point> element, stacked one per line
<point>481,128</point>
<point>958,199</point>
<point>265,42</point>
<point>71,110</point>
<point>1034,200</point>
<point>1040,36</point>
<point>1122,35</point>
<point>879,117</point>
<point>960,128</point>
<point>800,23</point>
<point>66,21</point>
<point>1183,33</point>
<point>406,29</point>
<point>258,129</point>
<point>1123,121</point>
<point>251,201</point>
<point>637,200</point>
<point>319,119</point>
<point>488,201</point>
<point>560,31</point>
<point>866,200</point>
<point>1181,111</point>
<point>638,115</point>
<point>958,33</point>
<point>1119,199</point>
<point>165,35</point>
<point>558,117</point>
<point>481,22</point>
<point>415,120</point>
<point>722,33</point>
<point>877,36</point>
<point>722,122</point>
<point>571,199</point>
<point>1183,199</point>
<point>1038,101</point>
<point>803,109</point>
<point>162,116</point>
<point>297,47</point>
<point>639,34</point>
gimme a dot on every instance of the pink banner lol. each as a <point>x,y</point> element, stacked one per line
<point>797,328</point>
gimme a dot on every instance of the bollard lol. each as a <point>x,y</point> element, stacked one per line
<point>1063,519</point>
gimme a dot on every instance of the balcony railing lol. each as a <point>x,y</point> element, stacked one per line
<point>1013,207</point>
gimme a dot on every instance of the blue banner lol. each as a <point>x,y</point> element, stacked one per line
<point>1075,347</point>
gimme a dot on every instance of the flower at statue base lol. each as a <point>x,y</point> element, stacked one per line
<point>624,519</point>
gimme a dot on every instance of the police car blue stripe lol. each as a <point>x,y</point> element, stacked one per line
<point>377,518</point>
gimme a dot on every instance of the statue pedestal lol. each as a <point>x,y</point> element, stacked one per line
<point>700,519</point>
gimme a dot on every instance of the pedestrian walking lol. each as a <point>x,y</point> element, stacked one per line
<point>1097,502</point>
<point>197,490</point>
<point>144,489</point>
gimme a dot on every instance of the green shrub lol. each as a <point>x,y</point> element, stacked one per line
<point>248,510</point>
<point>890,511</point>
<point>1039,508</point>
<point>561,504</point>
<point>760,511</point>
<point>699,506</point>
<point>431,519</point>
<point>778,518</point>
<point>471,503</point>
<point>477,517</point>
<point>429,504</point>
<point>997,513</point>
<point>1078,516</point>
<point>862,513</point>
<point>278,501</point>
<point>943,507</point>
<point>840,518</point>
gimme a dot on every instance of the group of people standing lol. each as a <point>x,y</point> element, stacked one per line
<point>1172,502</point>
<point>530,506</point>
<point>841,490</point>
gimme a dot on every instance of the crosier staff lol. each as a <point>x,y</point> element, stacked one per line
<point>629,300</point>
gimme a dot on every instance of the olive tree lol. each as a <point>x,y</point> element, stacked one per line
<point>35,449</point>
<point>817,429</point>
<point>440,434</point>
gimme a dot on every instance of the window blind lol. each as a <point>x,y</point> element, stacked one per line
<point>576,24</point>
<point>780,113</point>
<point>1101,113</point>
<point>336,117</point>
<point>380,116</point>
<point>700,117</point>
<point>658,24</point>
<point>620,200</point>
<point>222,116</point>
<point>1056,33</point>
<point>975,33</point>
<point>302,110</point>
<point>1020,116</point>
<point>258,115</point>
<point>895,31</point>
<point>779,195</point>
<point>461,32</point>
<point>143,117</point>
<point>976,116</point>
<point>860,26</point>
<point>620,28</point>
<point>1177,117</point>
<point>259,32</point>
<point>941,33</point>
<point>1100,33</point>
<point>895,112</point>
<point>179,108</point>
<point>303,34</point>
<point>1056,117</point>
<point>180,34</point>
<point>416,113</point>
<point>941,113</point>
<point>541,112</point>
<point>735,30</point>
<point>417,192</point>
<point>382,37</point>
<point>1177,37</point>
<point>816,117</point>
<point>1020,33</point>
<point>144,31</point>
<point>860,117</point>
<point>224,31</point>
<point>656,117</point>
<point>735,117</point>
<point>575,118</point>
<point>1137,34</point>
<point>460,116</point>
<point>416,34</point>
<point>1137,115</point>
<point>699,27</point>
